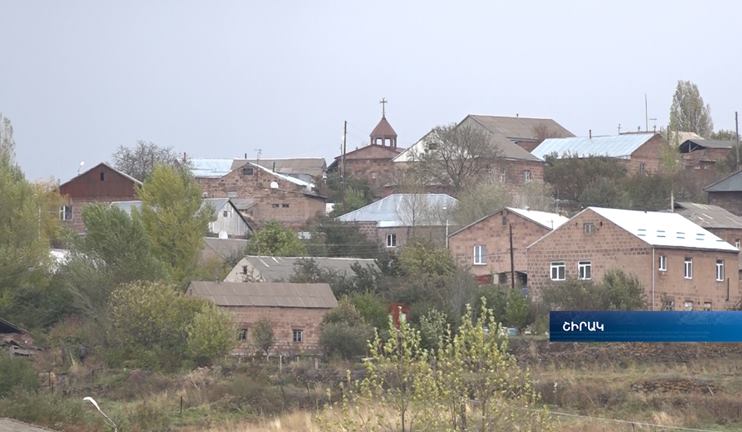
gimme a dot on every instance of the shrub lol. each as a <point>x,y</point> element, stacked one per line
<point>16,374</point>
<point>263,335</point>
<point>210,335</point>
<point>344,332</point>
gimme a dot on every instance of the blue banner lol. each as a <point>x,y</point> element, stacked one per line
<point>645,326</point>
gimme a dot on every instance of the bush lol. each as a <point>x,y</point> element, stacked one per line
<point>617,291</point>
<point>344,332</point>
<point>50,409</point>
<point>210,335</point>
<point>263,336</point>
<point>372,308</point>
<point>16,374</point>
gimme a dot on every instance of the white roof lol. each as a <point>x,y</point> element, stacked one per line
<point>287,178</point>
<point>210,167</point>
<point>664,229</point>
<point>548,220</point>
<point>404,210</point>
<point>617,146</point>
<point>414,152</point>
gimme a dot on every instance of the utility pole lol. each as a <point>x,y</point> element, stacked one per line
<point>736,133</point>
<point>646,114</point>
<point>342,157</point>
<point>512,261</point>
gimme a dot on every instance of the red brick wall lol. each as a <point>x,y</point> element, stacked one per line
<point>372,163</point>
<point>650,154</point>
<point>284,321</point>
<point>704,158</point>
<point>610,247</point>
<point>731,201</point>
<point>493,233</point>
<point>112,186</point>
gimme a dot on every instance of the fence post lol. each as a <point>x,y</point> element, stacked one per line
<point>181,405</point>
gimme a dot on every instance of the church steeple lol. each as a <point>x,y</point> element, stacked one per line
<point>384,134</point>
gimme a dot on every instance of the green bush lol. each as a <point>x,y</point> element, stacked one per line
<point>210,335</point>
<point>16,374</point>
<point>50,409</point>
<point>344,333</point>
<point>617,291</point>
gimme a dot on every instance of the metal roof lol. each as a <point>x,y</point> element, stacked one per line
<point>210,167</point>
<point>521,127</point>
<point>694,144</point>
<point>314,167</point>
<point>616,146</point>
<point>545,219</point>
<point>217,204</point>
<point>226,248</point>
<point>405,210</point>
<point>730,183</point>
<point>709,216</point>
<point>265,294</point>
<point>664,229</point>
<point>275,269</point>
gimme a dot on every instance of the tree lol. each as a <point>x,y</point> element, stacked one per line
<point>262,335</point>
<point>338,239</point>
<point>688,112</point>
<point>456,156</point>
<point>616,291</point>
<point>140,161</point>
<point>273,239</point>
<point>574,178</point>
<point>343,332</point>
<point>173,218</point>
<point>210,335</point>
<point>352,199</point>
<point>420,259</point>
<point>7,144</point>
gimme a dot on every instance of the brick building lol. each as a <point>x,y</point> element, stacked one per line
<point>260,194</point>
<point>513,138</point>
<point>702,154</point>
<point>640,153</point>
<point>727,193</point>
<point>393,220</point>
<point>295,311</point>
<point>715,219</point>
<point>253,268</point>
<point>100,184</point>
<point>679,264</point>
<point>373,162</point>
<point>483,247</point>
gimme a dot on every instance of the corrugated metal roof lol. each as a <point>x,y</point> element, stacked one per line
<point>664,229</point>
<point>616,146</point>
<point>210,167</point>
<point>226,248</point>
<point>545,219</point>
<point>314,167</point>
<point>217,204</point>
<point>695,144</point>
<point>405,210</point>
<point>709,216</point>
<point>730,183</point>
<point>275,269</point>
<point>265,294</point>
<point>522,127</point>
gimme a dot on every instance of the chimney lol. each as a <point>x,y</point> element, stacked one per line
<point>590,133</point>
<point>245,156</point>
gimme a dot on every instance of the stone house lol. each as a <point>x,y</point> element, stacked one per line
<point>702,154</point>
<point>373,162</point>
<point>312,170</point>
<point>514,137</point>
<point>254,268</point>
<point>295,311</point>
<point>640,153</point>
<point>100,184</point>
<point>394,219</point>
<point>680,265</point>
<point>727,193</point>
<point>260,194</point>
<point>483,247</point>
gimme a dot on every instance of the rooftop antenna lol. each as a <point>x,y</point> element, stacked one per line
<point>258,152</point>
<point>646,114</point>
<point>619,128</point>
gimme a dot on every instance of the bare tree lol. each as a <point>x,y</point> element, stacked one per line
<point>139,161</point>
<point>456,157</point>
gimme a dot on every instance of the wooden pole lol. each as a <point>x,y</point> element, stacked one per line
<point>512,259</point>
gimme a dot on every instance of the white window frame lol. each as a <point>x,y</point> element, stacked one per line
<point>557,265</point>
<point>688,305</point>
<point>720,273</point>
<point>584,270</point>
<point>662,264</point>
<point>527,176</point>
<point>297,335</point>
<point>480,255</point>
<point>688,268</point>
<point>63,213</point>
<point>736,243</point>
<point>391,240</point>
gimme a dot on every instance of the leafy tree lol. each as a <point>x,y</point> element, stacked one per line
<point>481,200</point>
<point>344,332</point>
<point>422,259</point>
<point>263,335</point>
<point>335,191</point>
<point>516,310</point>
<point>688,111</point>
<point>457,156</point>
<point>140,161</point>
<point>616,291</point>
<point>273,239</point>
<point>648,192</point>
<point>372,308</point>
<point>210,335</point>
<point>724,135</point>
<point>337,239</point>
<point>363,279</point>
<point>7,143</point>
<point>173,219</point>
<point>571,176</point>
<point>433,327</point>
<point>352,199</point>
<point>622,291</point>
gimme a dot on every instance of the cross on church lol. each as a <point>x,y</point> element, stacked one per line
<point>383,103</point>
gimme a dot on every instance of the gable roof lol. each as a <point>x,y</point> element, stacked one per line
<point>545,219</point>
<point>398,210</point>
<point>104,164</point>
<point>663,229</point>
<point>694,144</point>
<point>314,167</point>
<point>210,168</point>
<point>615,146</point>
<point>274,269</point>
<point>226,248</point>
<point>709,216</point>
<point>523,128</point>
<point>9,327</point>
<point>730,183</point>
<point>265,294</point>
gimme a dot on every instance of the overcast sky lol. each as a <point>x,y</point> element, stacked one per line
<point>224,78</point>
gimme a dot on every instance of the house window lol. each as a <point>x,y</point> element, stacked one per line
<point>102,176</point>
<point>242,334</point>
<point>285,205</point>
<point>719,270</point>
<point>707,306</point>
<point>668,304</point>
<point>584,270</point>
<point>558,271</point>
<point>588,228</point>
<point>298,335</point>
<point>688,305</point>
<point>65,213</point>
<point>225,213</point>
<point>526,176</point>
<point>431,146</point>
<point>480,255</point>
<point>736,243</point>
<point>275,205</point>
<point>662,264</point>
<point>244,269</point>
<point>642,168</point>
<point>688,268</point>
<point>248,171</point>
<point>391,240</point>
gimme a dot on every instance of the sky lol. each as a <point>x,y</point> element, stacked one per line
<point>221,79</point>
